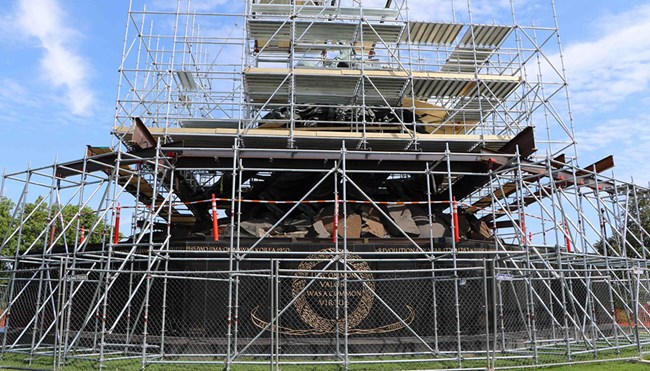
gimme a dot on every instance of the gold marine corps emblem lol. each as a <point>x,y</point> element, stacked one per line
<point>320,297</point>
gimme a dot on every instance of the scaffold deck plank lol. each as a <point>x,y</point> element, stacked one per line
<point>473,110</point>
<point>340,86</point>
<point>476,47</point>
<point>432,33</point>
<point>432,86</point>
<point>321,11</point>
<point>467,59</point>
<point>334,72</point>
<point>490,36</point>
<point>320,31</point>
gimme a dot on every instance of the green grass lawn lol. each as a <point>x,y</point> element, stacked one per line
<point>16,362</point>
<point>618,366</point>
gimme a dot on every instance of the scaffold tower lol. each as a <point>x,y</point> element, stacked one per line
<point>342,183</point>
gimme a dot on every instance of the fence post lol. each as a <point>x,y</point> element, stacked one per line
<point>487,314</point>
<point>494,312</point>
<point>636,272</point>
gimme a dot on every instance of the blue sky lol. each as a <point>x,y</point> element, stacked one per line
<point>59,60</point>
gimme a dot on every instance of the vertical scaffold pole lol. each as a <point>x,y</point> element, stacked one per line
<point>433,262</point>
<point>105,279</point>
<point>560,266</point>
<point>337,250</point>
<point>230,352</point>
<point>73,267</point>
<point>605,253</point>
<point>165,250</point>
<point>346,269</point>
<point>642,234</point>
<point>150,252</point>
<point>454,250</point>
<point>273,312</point>
<point>486,312</point>
<point>494,313</point>
<point>530,298</point>
<point>238,247</point>
<point>276,314</point>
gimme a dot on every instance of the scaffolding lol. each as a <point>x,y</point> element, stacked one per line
<point>330,182</point>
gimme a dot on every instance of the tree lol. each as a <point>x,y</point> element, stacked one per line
<point>35,218</point>
<point>636,232</point>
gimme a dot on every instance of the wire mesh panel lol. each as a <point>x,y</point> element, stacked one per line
<point>189,315</point>
<point>24,310</point>
<point>83,315</point>
<point>325,182</point>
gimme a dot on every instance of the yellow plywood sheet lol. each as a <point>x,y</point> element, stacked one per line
<point>364,48</point>
<point>425,109</point>
<point>447,135</point>
<point>263,43</point>
<point>273,124</point>
<point>454,128</point>
<point>428,119</point>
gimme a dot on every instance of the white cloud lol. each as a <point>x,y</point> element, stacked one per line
<point>483,11</point>
<point>625,138</point>
<point>202,5</point>
<point>618,133</point>
<point>10,90</point>
<point>613,66</point>
<point>195,5</point>
<point>61,65</point>
<point>609,77</point>
<point>431,10</point>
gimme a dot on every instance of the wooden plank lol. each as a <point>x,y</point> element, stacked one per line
<point>176,131</point>
<point>370,126</point>
<point>425,109</point>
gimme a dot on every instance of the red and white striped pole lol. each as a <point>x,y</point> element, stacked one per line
<point>456,224</point>
<point>116,230</point>
<point>335,223</point>
<point>215,219</point>
<point>567,239</point>
<point>82,238</point>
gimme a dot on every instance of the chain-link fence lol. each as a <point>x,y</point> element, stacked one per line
<point>327,306</point>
